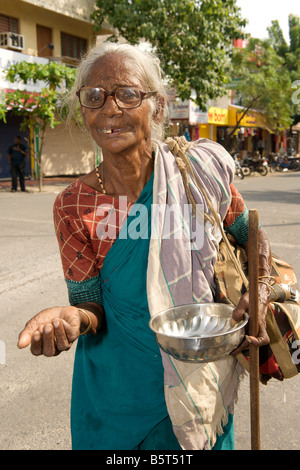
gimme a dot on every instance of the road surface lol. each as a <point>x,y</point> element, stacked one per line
<point>35,392</point>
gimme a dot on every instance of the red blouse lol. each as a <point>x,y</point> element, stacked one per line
<point>88,222</point>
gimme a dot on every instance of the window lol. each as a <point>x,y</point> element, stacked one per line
<point>9,24</point>
<point>72,46</point>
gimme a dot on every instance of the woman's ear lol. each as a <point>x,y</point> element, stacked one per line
<point>158,114</point>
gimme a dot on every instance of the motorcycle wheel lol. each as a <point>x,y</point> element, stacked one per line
<point>246,171</point>
<point>263,170</point>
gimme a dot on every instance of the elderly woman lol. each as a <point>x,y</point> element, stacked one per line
<point>121,267</point>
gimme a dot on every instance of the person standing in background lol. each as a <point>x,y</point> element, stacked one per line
<point>260,147</point>
<point>16,155</point>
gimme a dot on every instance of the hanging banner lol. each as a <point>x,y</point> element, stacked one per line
<point>196,116</point>
<point>179,109</point>
<point>187,110</point>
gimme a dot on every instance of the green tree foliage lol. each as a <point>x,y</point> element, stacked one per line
<point>34,108</point>
<point>53,74</point>
<point>277,38</point>
<point>290,53</point>
<point>264,82</point>
<point>42,107</point>
<point>193,38</point>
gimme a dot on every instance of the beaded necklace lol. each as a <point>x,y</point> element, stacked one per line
<point>100,178</point>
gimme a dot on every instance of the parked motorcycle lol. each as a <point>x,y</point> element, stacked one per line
<point>238,167</point>
<point>288,163</point>
<point>273,161</point>
<point>294,164</point>
<point>250,166</point>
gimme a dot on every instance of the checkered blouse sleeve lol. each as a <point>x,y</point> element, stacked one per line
<point>236,221</point>
<point>78,259</point>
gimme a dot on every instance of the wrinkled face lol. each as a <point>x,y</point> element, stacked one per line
<point>113,129</point>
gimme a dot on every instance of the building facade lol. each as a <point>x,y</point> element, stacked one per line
<point>42,31</point>
<point>219,121</point>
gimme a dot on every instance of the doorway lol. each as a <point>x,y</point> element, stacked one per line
<point>44,41</point>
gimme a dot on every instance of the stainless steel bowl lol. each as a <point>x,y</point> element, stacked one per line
<point>198,332</point>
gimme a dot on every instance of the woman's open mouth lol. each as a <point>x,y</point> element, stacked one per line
<point>111,131</point>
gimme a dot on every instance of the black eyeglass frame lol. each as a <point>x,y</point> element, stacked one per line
<point>143,95</point>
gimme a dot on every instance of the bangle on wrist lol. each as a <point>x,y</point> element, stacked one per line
<point>270,287</point>
<point>89,324</point>
<point>271,278</point>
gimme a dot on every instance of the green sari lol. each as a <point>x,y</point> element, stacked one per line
<point>117,394</point>
<point>118,398</point>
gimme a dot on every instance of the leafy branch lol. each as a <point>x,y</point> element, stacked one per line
<point>263,83</point>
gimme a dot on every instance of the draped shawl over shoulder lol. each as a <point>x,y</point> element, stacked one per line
<point>199,397</point>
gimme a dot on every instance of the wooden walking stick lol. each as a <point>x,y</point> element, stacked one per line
<point>253,267</point>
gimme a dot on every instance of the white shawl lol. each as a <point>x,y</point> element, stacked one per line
<point>199,397</point>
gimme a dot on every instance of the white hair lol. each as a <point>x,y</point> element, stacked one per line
<point>145,66</point>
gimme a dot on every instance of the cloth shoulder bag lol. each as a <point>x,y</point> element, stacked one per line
<point>279,359</point>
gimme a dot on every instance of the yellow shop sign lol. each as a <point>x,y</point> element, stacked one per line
<point>218,116</point>
<point>252,118</point>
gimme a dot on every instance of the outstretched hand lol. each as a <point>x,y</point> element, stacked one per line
<point>51,331</point>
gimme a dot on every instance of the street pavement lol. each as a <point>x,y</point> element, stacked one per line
<point>35,391</point>
<point>277,198</point>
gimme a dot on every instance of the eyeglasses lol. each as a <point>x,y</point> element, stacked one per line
<point>125,98</point>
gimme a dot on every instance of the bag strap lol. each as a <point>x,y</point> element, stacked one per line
<point>178,146</point>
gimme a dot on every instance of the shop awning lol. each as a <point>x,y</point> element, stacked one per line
<point>253,118</point>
